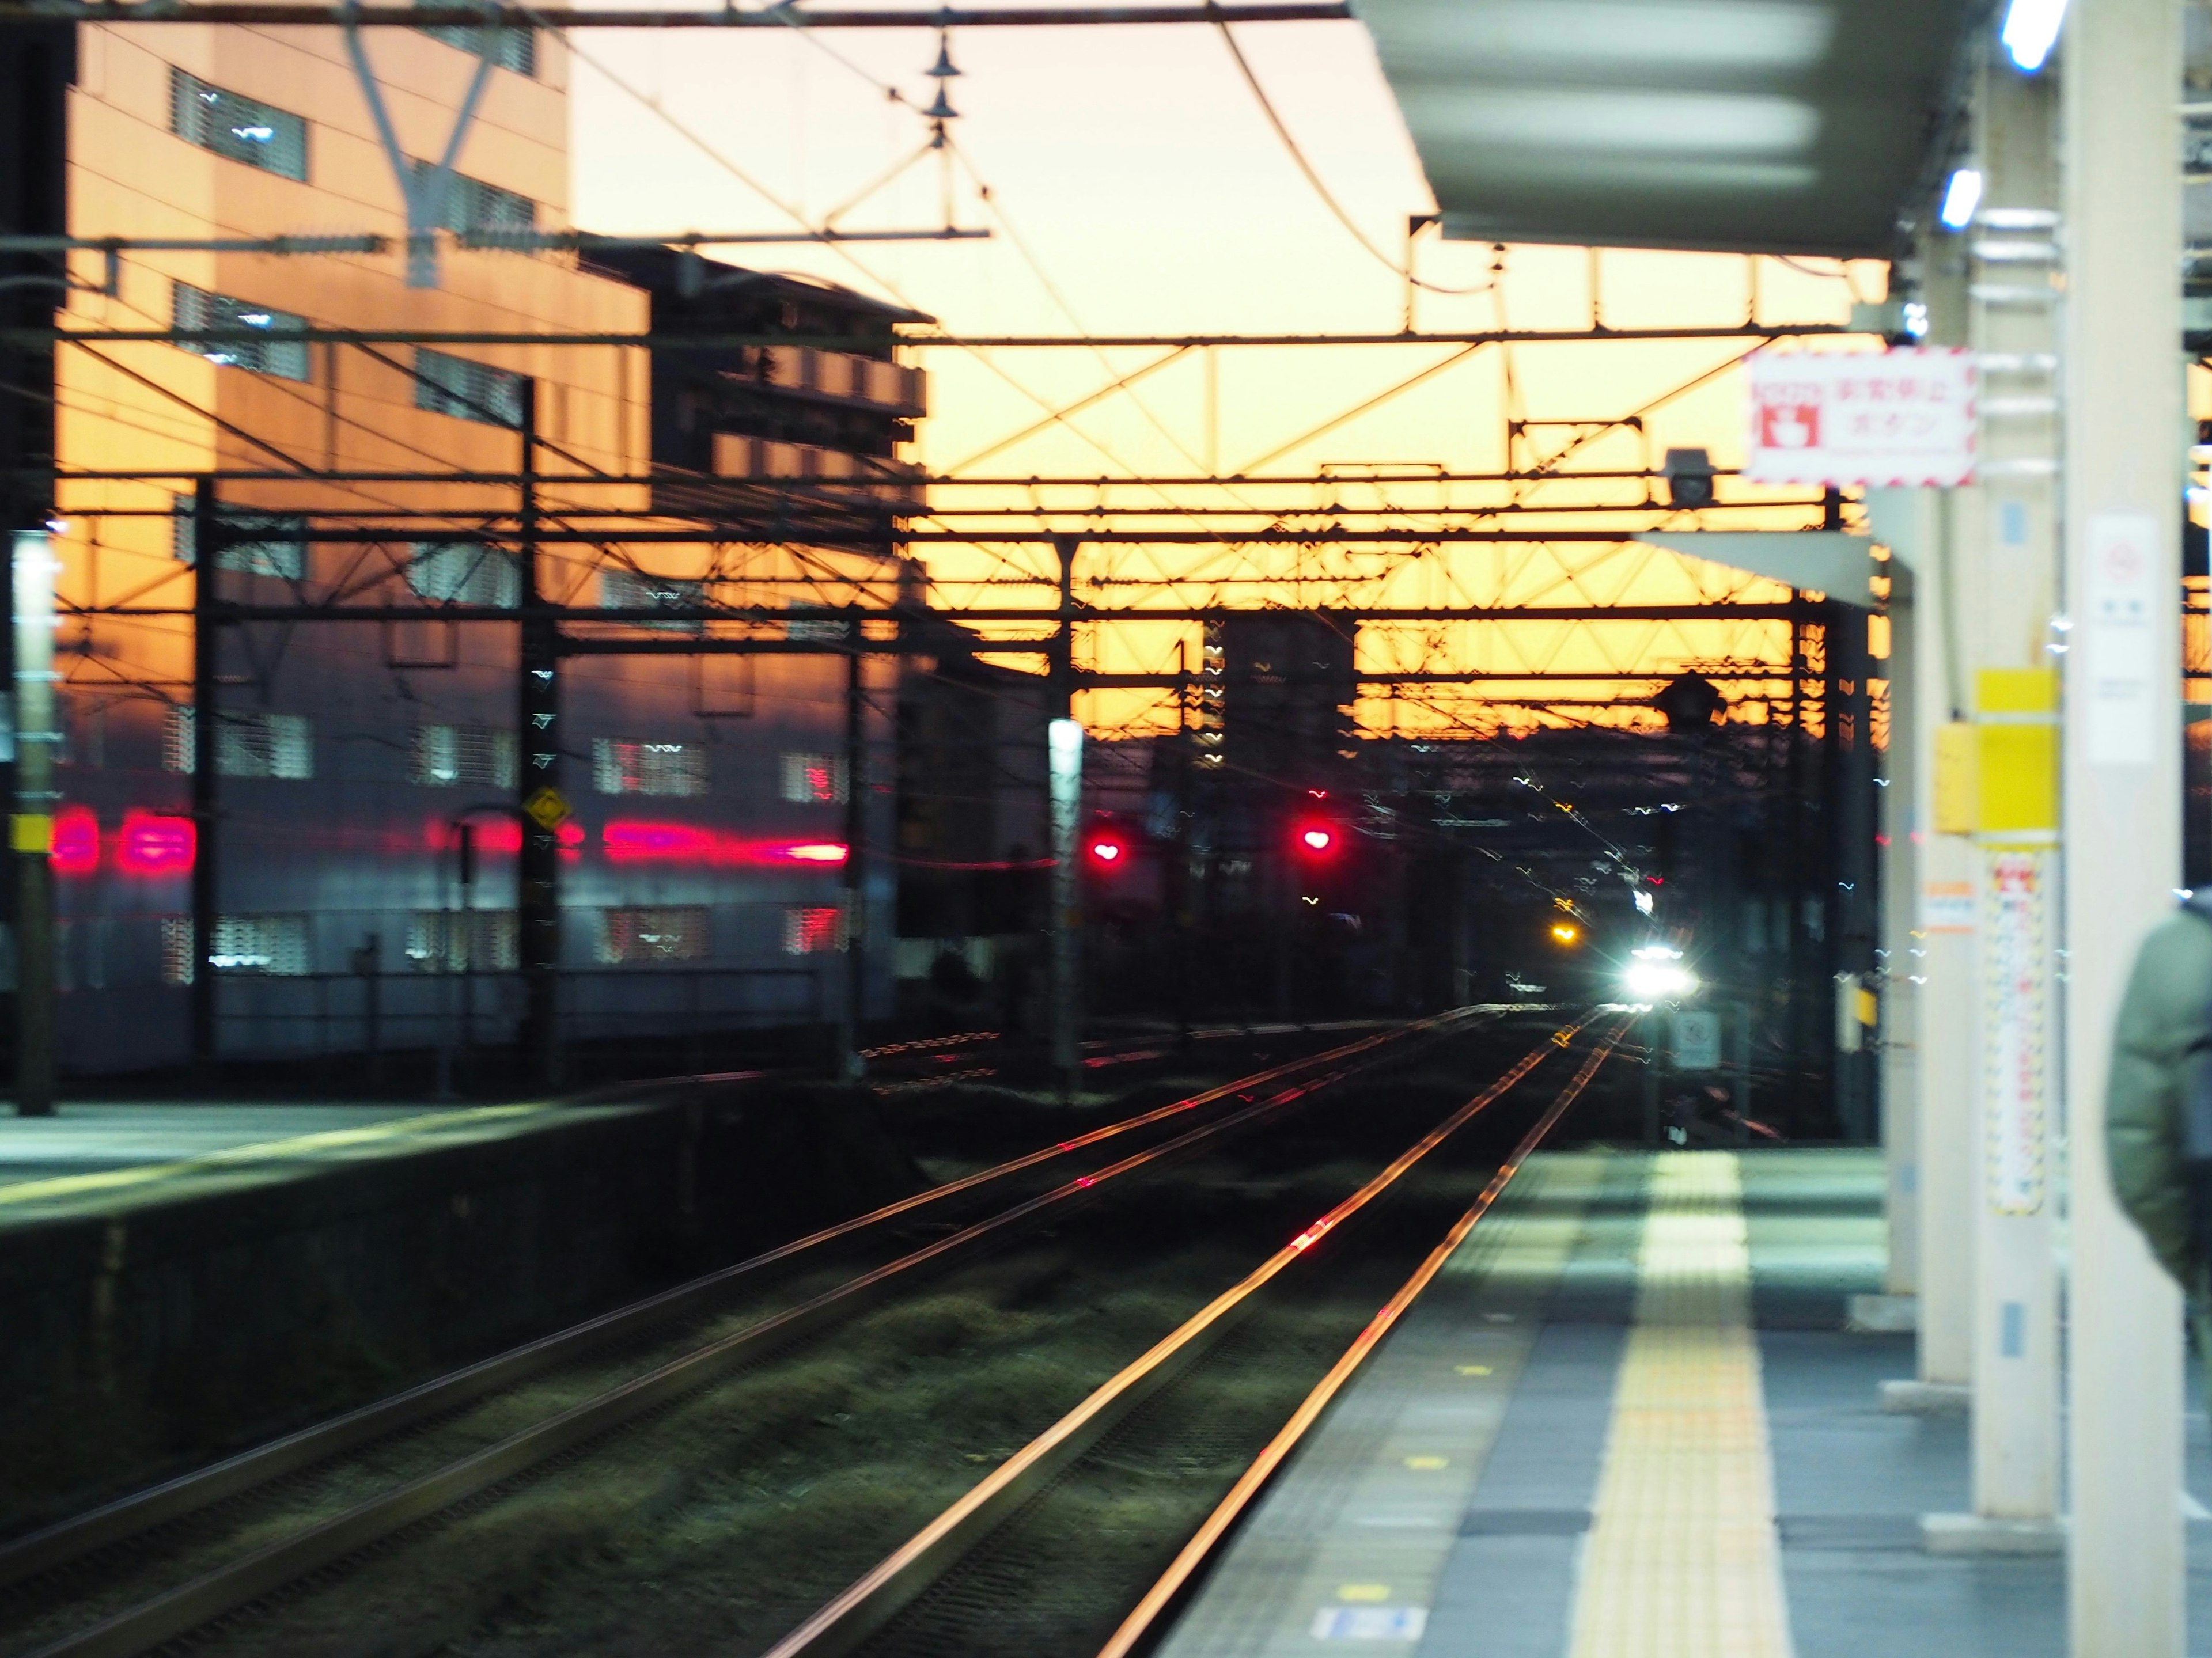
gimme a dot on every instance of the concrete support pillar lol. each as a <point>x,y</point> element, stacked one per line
<point>2123,390</point>
<point>2012,578</point>
<point>1893,519</point>
<point>1931,1016</point>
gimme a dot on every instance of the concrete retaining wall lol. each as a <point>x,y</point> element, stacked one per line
<point>158,1334</point>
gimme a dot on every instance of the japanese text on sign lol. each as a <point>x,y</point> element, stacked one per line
<point>2014,998</point>
<point>1896,417</point>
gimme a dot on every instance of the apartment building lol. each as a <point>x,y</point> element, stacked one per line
<point>701,859</point>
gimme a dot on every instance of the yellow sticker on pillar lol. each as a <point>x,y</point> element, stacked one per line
<point>2015,1007</point>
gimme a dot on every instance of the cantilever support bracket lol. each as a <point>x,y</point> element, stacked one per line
<point>423,195</point>
<point>1832,561</point>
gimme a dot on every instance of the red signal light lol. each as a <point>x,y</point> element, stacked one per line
<point>76,846</point>
<point>1106,848</point>
<point>1315,839</point>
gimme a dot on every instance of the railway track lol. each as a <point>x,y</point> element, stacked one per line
<point>136,1574</point>
<point>990,1560</point>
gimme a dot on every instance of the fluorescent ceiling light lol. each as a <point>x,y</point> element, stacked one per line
<point>1560,123</point>
<point>2031,30</point>
<point>1523,35</point>
<point>1960,197</point>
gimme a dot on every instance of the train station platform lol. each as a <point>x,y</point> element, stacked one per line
<point>1628,1420</point>
<point>110,1157</point>
<point>177,1278</point>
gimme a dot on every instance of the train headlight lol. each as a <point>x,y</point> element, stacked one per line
<point>1655,974</point>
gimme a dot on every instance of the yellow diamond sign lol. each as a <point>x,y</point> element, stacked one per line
<point>547,808</point>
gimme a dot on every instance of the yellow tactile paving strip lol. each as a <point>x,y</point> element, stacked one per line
<point>1681,1560</point>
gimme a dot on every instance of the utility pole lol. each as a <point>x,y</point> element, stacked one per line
<point>207,544</point>
<point>537,784</point>
<point>851,1064</point>
<point>32,829</point>
<point>1064,783</point>
<point>2121,383</point>
<point>36,65</point>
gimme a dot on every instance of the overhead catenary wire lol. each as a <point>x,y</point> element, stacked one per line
<point>1312,175</point>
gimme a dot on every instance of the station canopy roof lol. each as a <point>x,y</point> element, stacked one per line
<point>1777,126</point>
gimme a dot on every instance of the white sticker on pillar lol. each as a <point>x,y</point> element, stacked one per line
<point>1948,906</point>
<point>2015,1009</point>
<point>2116,656</point>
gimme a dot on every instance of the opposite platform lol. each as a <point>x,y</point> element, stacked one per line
<point>1626,1421</point>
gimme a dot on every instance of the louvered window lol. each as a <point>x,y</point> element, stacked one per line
<point>629,937</point>
<point>256,544</point>
<point>466,573</point>
<point>449,754</point>
<point>625,767</point>
<point>814,778</point>
<point>810,929</point>
<point>269,353</point>
<point>237,127</point>
<point>247,744</point>
<point>463,941</point>
<point>274,945</point>
<point>512,49</point>
<point>467,389</point>
<point>472,204</point>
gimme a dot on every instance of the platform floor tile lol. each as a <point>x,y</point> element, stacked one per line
<point>1356,1541</point>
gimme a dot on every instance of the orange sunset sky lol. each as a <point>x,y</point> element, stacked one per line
<point>1148,193</point>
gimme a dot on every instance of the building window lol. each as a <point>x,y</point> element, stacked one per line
<point>463,941</point>
<point>240,128</point>
<point>511,49</point>
<point>271,544</point>
<point>823,629</point>
<point>274,945</point>
<point>629,589</point>
<point>810,929</point>
<point>247,744</point>
<point>472,204</point>
<point>467,389</point>
<point>619,767</point>
<point>447,755</point>
<point>814,778</point>
<point>466,573</point>
<point>193,308</point>
<point>629,936</point>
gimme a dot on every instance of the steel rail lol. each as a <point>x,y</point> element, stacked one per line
<point>859,1611</point>
<point>1166,1594</point>
<point>274,1566</point>
<point>130,1516</point>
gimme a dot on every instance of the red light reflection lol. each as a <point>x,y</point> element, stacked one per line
<point>632,841</point>
<point>156,843</point>
<point>77,841</point>
<point>498,835</point>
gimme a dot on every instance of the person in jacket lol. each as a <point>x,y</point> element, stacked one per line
<point>2161,1058</point>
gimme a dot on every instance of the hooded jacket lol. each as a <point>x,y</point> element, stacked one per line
<point>2165,1014</point>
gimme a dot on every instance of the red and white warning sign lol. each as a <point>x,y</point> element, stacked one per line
<point>1904,417</point>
